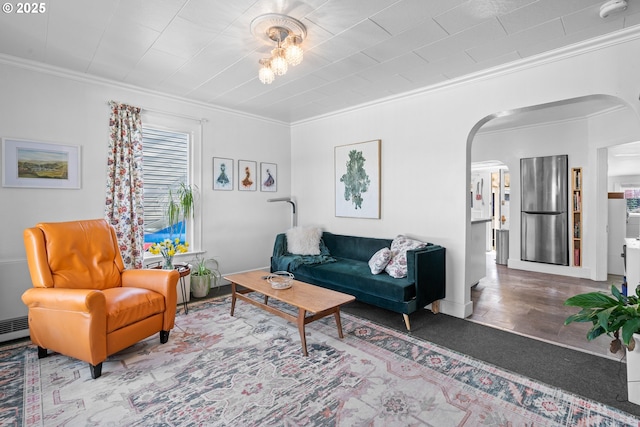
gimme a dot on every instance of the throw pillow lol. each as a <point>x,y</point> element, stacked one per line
<point>397,266</point>
<point>304,240</point>
<point>379,260</point>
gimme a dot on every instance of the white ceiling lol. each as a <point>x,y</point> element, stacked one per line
<point>356,51</point>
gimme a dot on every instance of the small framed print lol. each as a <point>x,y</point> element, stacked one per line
<point>222,174</point>
<point>33,164</point>
<point>268,177</point>
<point>247,176</point>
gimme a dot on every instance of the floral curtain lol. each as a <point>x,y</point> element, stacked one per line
<point>124,201</point>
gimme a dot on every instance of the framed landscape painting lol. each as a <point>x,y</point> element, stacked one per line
<point>222,174</point>
<point>357,180</point>
<point>247,176</point>
<point>31,164</point>
<point>268,177</point>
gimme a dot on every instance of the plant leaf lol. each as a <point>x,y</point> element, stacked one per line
<point>591,300</point>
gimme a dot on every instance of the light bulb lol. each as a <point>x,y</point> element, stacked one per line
<point>293,52</point>
<point>278,62</point>
<point>265,74</point>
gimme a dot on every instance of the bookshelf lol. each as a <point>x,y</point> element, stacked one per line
<point>576,215</point>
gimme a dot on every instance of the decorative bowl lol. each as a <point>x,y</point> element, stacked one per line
<point>280,279</point>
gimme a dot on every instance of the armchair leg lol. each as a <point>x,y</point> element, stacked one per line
<point>164,336</point>
<point>96,370</point>
<point>42,352</point>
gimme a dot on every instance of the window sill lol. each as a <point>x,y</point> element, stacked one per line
<point>151,260</point>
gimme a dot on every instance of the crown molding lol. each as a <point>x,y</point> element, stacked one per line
<point>560,54</point>
<point>40,67</point>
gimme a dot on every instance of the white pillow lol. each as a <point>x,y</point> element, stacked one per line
<point>397,267</point>
<point>379,260</point>
<point>304,240</point>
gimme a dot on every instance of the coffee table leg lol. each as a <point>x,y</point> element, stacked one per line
<point>233,297</point>
<point>338,323</point>
<point>303,339</point>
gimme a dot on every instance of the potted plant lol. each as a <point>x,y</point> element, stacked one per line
<point>616,315</point>
<point>179,206</point>
<point>204,271</point>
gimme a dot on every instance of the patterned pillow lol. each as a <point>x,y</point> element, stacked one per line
<point>397,267</point>
<point>304,240</point>
<point>379,260</point>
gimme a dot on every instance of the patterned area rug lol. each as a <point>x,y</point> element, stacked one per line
<point>248,370</point>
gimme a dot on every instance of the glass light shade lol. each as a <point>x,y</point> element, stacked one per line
<point>293,52</point>
<point>278,62</point>
<point>265,74</point>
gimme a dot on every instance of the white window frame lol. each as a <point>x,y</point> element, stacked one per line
<point>192,127</point>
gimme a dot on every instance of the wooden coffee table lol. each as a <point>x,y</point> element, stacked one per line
<point>307,298</point>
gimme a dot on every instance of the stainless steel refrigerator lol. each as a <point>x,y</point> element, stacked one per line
<point>544,228</point>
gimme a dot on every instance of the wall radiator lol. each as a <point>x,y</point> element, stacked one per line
<point>14,280</point>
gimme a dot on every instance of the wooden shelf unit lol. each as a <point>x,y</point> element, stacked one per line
<point>576,216</point>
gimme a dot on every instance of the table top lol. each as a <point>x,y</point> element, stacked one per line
<point>302,295</point>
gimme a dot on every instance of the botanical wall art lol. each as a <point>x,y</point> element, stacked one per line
<point>222,174</point>
<point>357,180</point>
<point>247,177</point>
<point>268,177</point>
<point>40,164</point>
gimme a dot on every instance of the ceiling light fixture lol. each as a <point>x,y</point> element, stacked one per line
<point>287,33</point>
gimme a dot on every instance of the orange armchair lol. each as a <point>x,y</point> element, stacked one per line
<point>84,304</point>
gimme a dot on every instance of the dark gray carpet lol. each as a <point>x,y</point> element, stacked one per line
<point>593,377</point>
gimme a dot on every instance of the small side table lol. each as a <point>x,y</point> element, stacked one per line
<point>184,271</point>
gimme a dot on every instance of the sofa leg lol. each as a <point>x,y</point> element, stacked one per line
<point>435,307</point>
<point>406,321</point>
<point>96,370</point>
<point>164,337</point>
<point>42,352</point>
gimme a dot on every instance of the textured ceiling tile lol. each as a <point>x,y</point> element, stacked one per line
<point>184,38</point>
<point>547,31</point>
<point>337,16</point>
<point>425,33</point>
<point>569,39</point>
<point>486,32</point>
<point>473,12</point>
<point>545,10</point>
<point>409,13</point>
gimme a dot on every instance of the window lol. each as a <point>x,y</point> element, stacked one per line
<point>165,167</point>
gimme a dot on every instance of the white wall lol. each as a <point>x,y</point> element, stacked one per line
<point>426,144</point>
<point>238,228</point>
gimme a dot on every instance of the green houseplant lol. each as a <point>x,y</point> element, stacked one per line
<point>180,206</point>
<point>204,272</point>
<point>616,315</point>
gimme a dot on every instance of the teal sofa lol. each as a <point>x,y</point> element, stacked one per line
<point>343,266</point>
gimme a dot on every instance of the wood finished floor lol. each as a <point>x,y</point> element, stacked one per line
<point>532,304</point>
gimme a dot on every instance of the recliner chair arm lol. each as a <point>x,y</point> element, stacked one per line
<point>162,281</point>
<point>82,300</point>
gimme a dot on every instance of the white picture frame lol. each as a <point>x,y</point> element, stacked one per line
<point>357,187</point>
<point>247,175</point>
<point>268,177</point>
<point>37,164</point>
<point>223,175</point>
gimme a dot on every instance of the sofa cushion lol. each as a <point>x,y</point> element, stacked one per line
<point>397,266</point>
<point>353,247</point>
<point>379,260</point>
<point>127,305</point>
<point>353,277</point>
<point>304,240</point>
